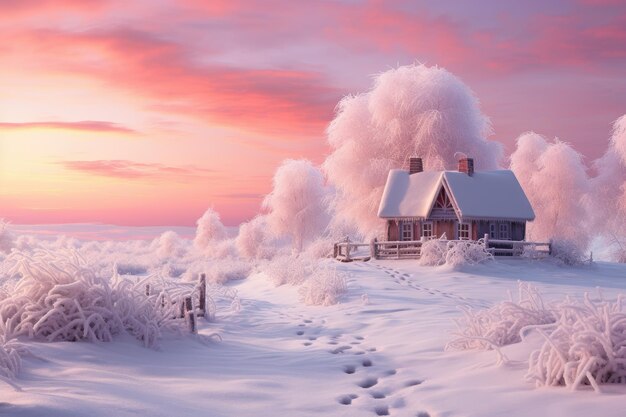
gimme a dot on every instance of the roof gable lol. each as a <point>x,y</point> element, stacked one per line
<point>489,195</point>
<point>400,198</point>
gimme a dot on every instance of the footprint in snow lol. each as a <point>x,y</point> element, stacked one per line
<point>347,399</point>
<point>340,349</point>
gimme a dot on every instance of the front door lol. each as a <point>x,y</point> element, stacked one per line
<point>445,227</point>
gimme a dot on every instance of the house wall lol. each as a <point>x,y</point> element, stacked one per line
<point>518,230</point>
<point>392,230</point>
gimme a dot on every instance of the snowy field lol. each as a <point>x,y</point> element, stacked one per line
<point>379,351</point>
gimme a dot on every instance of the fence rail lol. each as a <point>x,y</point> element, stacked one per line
<point>347,251</point>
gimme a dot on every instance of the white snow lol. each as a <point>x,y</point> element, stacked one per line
<point>379,350</point>
<point>484,195</point>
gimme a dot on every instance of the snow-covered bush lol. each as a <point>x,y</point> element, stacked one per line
<point>58,297</point>
<point>454,253</point>
<point>11,352</point>
<point>169,245</point>
<point>292,270</point>
<point>325,286</point>
<point>586,346</point>
<point>501,324</point>
<point>253,241</point>
<point>297,202</point>
<point>210,229</point>
<point>218,271</point>
<point>567,252</point>
<point>320,248</point>
<point>6,237</point>
<point>433,252</point>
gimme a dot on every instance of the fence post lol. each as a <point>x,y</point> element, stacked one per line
<point>398,251</point>
<point>191,317</point>
<point>182,309</point>
<point>373,252</point>
<point>202,302</point>
<point>486,240</point>
<point>147,290</point>
<point>335,246</point>
<point>550,247</point>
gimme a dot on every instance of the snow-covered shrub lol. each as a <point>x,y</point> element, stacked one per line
<point>324,287</point>
<point>169,245</point>
<point>466,253</point>
<point>454,253</point>
<point>501,324</point>
<point>6,237</point>
<point>58,297</point>
<point>218,271</point>
<point>433,252</point>
<point>292,270</point>
<point>210,229</point>
<point>320,248</point>
<point>11,352</point>
<point>253,241</point>
<point>296,205</point>
<point>567,252</point>
<point>586,346</point>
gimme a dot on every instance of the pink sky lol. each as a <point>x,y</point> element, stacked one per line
<point>148,113</point>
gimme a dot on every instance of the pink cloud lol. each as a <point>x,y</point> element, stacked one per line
<point>86,125</point>
<point>135,170</point>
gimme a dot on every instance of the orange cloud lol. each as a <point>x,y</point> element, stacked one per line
<point>275,101</point>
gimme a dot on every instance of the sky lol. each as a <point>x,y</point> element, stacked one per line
<point>149,112</point>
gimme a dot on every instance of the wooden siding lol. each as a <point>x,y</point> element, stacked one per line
<point>517,230</point>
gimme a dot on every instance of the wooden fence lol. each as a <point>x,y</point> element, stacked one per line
<point>348,251</point>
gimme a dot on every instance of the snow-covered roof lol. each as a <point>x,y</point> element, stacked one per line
<point>484,195</point>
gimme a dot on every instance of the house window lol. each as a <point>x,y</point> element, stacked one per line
<point>407,230</point>
<point>464,231</point>
<point>493,234</point>
<point>427,230</point>
<point>504,231</point>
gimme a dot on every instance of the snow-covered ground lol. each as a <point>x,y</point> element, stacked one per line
<point>380,351</point>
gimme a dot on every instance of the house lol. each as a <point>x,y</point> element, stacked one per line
<point>459,205</point>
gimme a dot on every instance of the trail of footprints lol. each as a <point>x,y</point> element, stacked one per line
<point>403,279</point>
<point>361,367</point>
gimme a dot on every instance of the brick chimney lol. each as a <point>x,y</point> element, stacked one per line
<point>466,165</point>
<point>415,165</point>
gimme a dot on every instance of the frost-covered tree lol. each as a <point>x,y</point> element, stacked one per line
<point>410,110</point>
<point>210,228</point>
<point>607,200</point>
<point>555,180</point>
<point>296,204</point>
